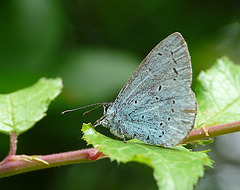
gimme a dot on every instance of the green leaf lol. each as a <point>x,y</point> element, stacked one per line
<point>175,168</point>
<point>20,110</point>
<point>218,94</point>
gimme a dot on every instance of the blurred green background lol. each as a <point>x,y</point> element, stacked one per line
<point>95,46</point>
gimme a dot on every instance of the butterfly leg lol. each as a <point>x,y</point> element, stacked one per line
<point>98,122</point>
<point>123,133</point>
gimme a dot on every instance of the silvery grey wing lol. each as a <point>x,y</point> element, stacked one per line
<point>157,105</point>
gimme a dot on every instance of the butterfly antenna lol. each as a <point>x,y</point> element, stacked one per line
<point>86,112</point>
<point>67,111</point>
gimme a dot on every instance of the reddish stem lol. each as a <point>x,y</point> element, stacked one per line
<point>17,165</point>
<point>14,164</point>
<point>214,131</point>
<point>13,148</point>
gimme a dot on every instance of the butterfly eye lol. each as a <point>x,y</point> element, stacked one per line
<point>159,88</point>
<point>105,107</point>
<point>169,119</point>
<point>142,116</point>
<point>173,102</point>
<point>135,101</point>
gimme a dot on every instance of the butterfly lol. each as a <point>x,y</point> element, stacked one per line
<point>156,105</point>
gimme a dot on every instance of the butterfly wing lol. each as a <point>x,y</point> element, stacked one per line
<point>157,105</point>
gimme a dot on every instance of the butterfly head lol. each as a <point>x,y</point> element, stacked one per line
<point>106,105</point>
